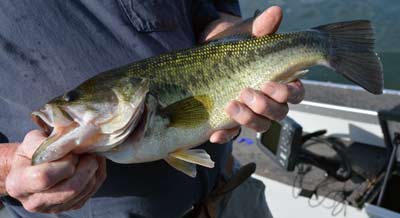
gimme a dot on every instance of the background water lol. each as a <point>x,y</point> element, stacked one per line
<point>303,14</point>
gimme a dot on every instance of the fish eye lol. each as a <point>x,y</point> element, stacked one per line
<point>70,96</point>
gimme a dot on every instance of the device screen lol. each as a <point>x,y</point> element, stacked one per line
<point>270,139</point>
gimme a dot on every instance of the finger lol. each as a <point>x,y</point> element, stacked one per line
<point>41,177</point>
<point>78,202</point>
<point>244,116</point>
<point>283,93</point>
<point>31,142</point>
<point>224,136</point>
<point>263,105</point>
<point>267,22</point>
<point>70,188</point>
<point>101,175</point>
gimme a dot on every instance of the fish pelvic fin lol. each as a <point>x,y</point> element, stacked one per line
<point>351,53</point>
<point>186,160</point>
<point>183,166</point>
<point>188,112</point>
<point>195,156</point>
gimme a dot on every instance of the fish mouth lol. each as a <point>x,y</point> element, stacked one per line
<point>51,117</point>
<point>42,121</point>
<point>67,135</point>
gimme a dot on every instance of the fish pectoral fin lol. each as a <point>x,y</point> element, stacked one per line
<point>188,112</point>
<point>194,156</point>
<point>183,166</point>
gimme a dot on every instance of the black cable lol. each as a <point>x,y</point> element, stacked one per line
<point>312,135</point>
<point>338,206</point>
<point>343,172</point>
<point>301,172</point>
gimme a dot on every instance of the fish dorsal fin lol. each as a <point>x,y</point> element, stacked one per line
<point>188,112</point>
<point>183,166</point>
<point>194,156</point>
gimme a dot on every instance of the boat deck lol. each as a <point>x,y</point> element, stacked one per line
<point>367,162</point>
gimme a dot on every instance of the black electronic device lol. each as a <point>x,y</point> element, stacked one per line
<point>282,142</point>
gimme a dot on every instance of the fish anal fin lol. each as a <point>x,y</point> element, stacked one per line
<point>183,166</point>
<point>188,112</point>
<point>291,76</point>
<point>194,156</point>
<point>297,75</point>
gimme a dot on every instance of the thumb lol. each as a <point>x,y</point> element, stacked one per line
<point>267,22</point>
<point>32,141</point>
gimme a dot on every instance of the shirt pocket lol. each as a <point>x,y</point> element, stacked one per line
<point>150,15</point>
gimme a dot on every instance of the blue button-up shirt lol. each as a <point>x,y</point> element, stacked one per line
<point>49,47</point>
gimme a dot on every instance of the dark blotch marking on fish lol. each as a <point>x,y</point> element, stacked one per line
<point>215,66</point>
<point>134,80</point>
<point>200,79</point>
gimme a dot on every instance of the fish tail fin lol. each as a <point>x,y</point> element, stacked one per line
<point>351,53</point>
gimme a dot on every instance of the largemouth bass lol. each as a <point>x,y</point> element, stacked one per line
<point>163,107</point>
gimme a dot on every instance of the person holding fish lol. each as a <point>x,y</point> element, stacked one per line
<point>159,116</point>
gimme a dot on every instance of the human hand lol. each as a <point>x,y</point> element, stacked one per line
<point>256,108</point>
<point>53,187</point>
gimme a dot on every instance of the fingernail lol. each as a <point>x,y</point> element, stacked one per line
<point>248,97</point>
<point>269,10</point>
<point>233,109</point>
